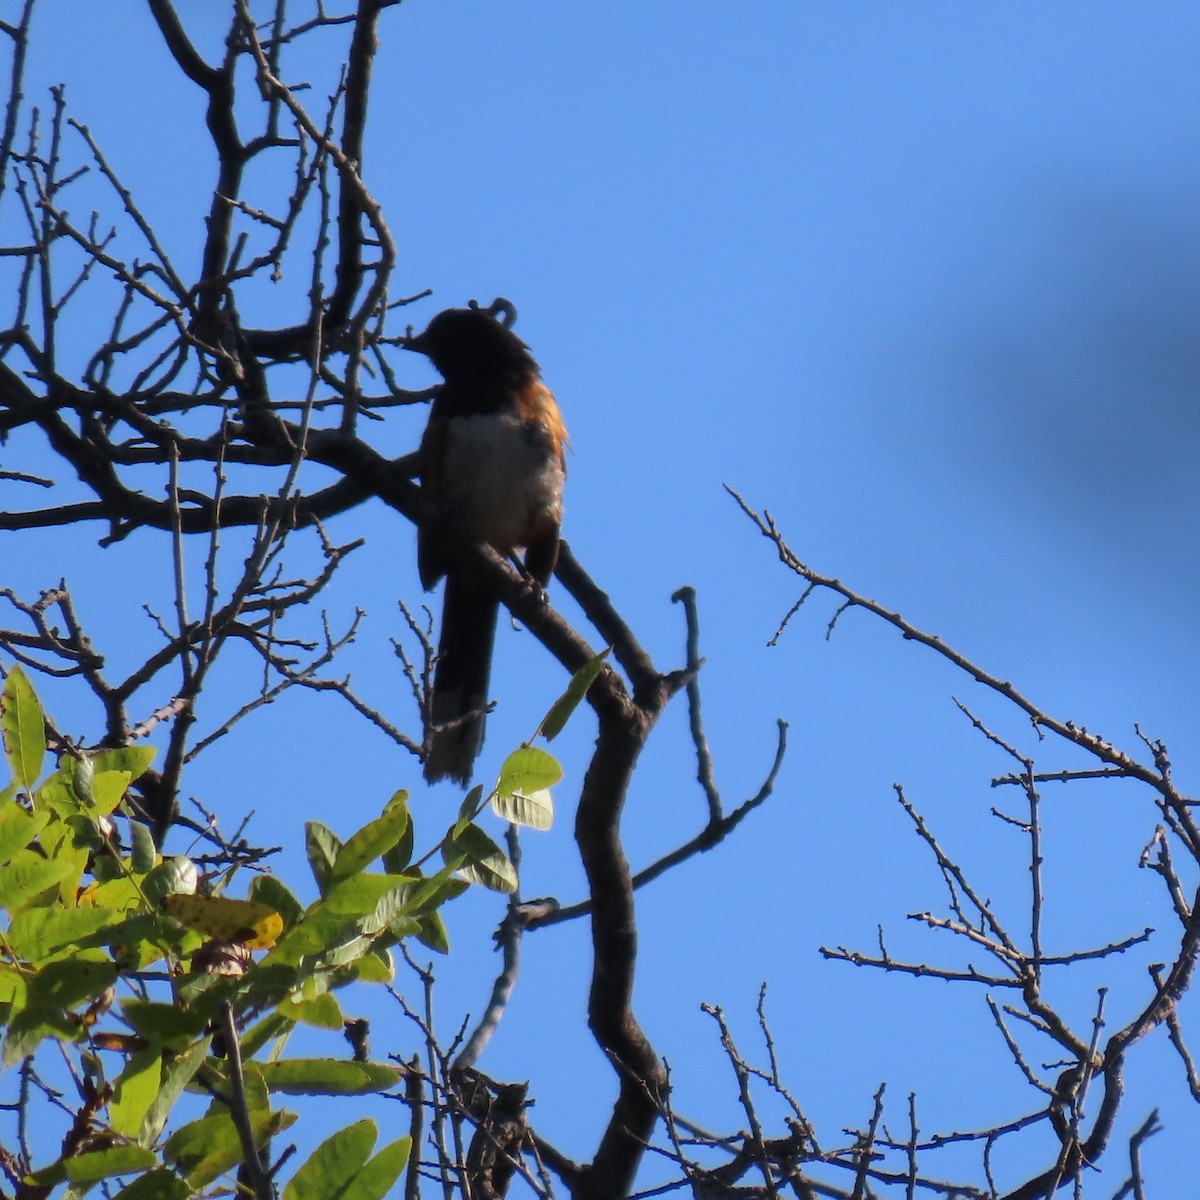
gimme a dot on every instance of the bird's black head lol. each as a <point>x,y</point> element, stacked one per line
<point>464,343</point>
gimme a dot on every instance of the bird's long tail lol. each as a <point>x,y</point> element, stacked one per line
<point>460,681</point>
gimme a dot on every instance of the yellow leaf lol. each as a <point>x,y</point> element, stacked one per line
<point>253,925</point>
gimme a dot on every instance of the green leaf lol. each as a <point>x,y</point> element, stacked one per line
<point>375,966</point>
<point>322,846</point>
<point>267,889</point>
<point>400,855</point>
<point>143,851</point>
<point>328,1077</point>
<point>165,1023</point>
<point>90,1166</point>
<point>569,701</point>
<point>40,934</point>
<point>360,895</point>
<point>258,1100</point>
<point>13,985</point>
<point>135,938</point>
<point>161,1184</point>
<point>24,726</point>
<point>379,1175</point>
<point>274,1026</point>
<point>477,858</point>
<point>390,913</point>
<point>134,759</point>
<point>80,772</point>
<point>18,828</point>
<point>177,1074</point>
<point>323,1012</point>
<point>467,810</point>
<point>108,790</point>
<point>430,894</point>
<point>432,933</point>
<point>48,995</point>
<point>176,876</point>
<point>330,1171</point>
<point>348,948</point>
<point>58,793</point>
<point>95,1165</point>
<point>105,869</point>
<point>67,982</point>
<point>373,840</point>
<point>525,773</point>
<point>308,937</point>
<point>207,1148</point>
<point>29,875</point>
<point>26,1031</point>
<point>323,934</point>
<point>204,1149</point>
<point>135,1090</point>
<point>522,794</point>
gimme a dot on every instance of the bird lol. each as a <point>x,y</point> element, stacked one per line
<point>493,460</point>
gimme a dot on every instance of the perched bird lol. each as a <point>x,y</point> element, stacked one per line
<point>492,460</point>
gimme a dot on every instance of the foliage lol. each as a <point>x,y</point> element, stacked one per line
<point>144,970</point>
<point>217,392</point>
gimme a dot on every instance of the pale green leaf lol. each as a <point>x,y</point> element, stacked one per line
<point>26,1031</point>
<point>430,894</point>
<point>274,1027</point>
<point>535,809</point>
<point>24,726</point>
<point>81,772</point>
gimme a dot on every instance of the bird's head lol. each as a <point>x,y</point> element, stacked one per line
<point>463,342</point>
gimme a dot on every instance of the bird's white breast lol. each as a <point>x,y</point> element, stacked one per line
<point>503,478</point>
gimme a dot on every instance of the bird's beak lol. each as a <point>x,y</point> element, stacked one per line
<point>417,343</point>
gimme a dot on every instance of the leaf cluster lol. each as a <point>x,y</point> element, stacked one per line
<point>162,984</point>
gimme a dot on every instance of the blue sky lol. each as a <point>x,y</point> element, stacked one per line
<point>919,278</point>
